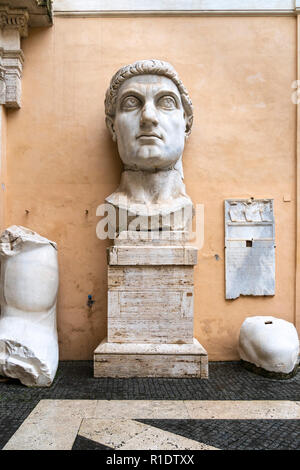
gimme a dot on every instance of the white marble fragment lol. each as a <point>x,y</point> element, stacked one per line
<point>270,343</point>
<point>29,285</point>
<point>149,115</point>
<point>250,247</point>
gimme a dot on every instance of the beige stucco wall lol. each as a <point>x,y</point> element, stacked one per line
<point>61,161</point>
<point>3,169</point>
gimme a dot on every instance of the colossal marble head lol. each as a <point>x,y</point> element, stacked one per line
<point>149,114</point>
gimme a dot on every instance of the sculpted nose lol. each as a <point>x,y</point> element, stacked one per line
<point>149,114</point>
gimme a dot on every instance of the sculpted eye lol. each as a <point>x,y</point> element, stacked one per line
<point>167,102</point>
<point>130,102</point>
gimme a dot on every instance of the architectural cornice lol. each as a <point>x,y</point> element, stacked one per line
<point>95,8</point>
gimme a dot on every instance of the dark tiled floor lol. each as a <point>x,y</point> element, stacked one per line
<point>235,434</point>
<point>74,380</point>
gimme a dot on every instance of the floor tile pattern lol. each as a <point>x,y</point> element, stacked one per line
<point>228,381</point>
<point>160,425</point>
<point>236,434</point>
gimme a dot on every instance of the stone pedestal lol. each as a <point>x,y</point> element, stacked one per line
<point>150,309</point>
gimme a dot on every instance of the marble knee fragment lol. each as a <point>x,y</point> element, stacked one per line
<point>29,286</point>
<point>269,343</point>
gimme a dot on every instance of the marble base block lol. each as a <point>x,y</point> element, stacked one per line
<point>150,304</point>
<point>150,309</point>
<point>150,360</point>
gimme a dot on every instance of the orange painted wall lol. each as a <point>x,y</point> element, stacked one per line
<point>61,161</point>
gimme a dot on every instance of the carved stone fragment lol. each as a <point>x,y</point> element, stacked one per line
<point>29,285</point>
<point>270,344</point>
<point>249,247</point>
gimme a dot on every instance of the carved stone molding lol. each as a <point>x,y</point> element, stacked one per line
<point>16,19</point>
<point>2,86</point>
<point>16,16</point>
<point>96,8</point>
<point>39,11</point>
<point>11,64</point>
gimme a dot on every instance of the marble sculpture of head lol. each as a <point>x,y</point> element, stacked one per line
<point>149,114</point>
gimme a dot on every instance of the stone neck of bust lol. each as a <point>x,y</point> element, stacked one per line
<point>160,190</point>
<point>175,166</point>
<point>150,170</point>
<point>154,187</point>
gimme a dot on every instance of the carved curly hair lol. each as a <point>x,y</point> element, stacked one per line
<point>147,67</point>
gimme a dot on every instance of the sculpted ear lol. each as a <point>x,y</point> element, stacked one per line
<point>188,115</point>
<point>110,126</point>
<point>188,127</point>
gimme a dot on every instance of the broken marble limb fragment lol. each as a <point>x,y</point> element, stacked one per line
<point>269,346</point>
<point>29,285</point>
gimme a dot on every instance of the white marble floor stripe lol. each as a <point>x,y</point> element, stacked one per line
<point>126,434</point>
<point>54,424</point>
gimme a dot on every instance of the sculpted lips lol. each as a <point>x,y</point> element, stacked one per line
<point>149,135</point>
